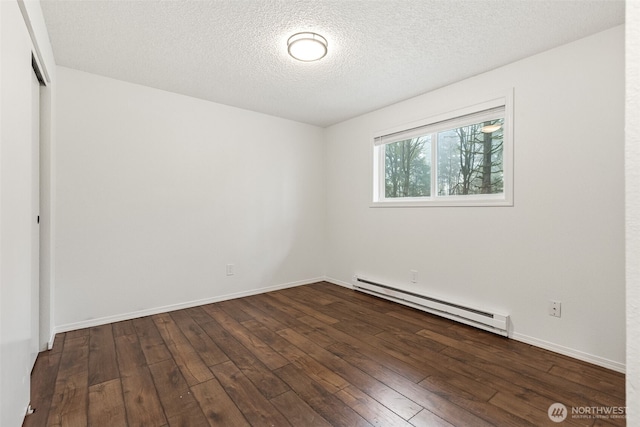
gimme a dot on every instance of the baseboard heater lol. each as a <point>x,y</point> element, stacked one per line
<point>492,322</point>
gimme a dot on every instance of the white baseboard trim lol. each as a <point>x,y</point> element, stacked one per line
<point>338,282</point>
<point>51,339</point>
<point>576,354</point>
<point>167,308</point>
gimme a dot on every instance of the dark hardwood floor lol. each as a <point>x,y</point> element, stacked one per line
<point>316,355</point>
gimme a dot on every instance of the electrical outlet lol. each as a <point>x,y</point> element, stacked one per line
<point>555,308</point>
<point>414,276</point>
<point>231,269</point>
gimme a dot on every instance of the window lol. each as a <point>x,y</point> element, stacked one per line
<point>458,159</point>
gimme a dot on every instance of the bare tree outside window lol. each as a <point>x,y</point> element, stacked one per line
<point>408,168</point>
<point>470,159</point>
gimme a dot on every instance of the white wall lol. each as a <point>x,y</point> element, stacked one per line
<point>157,192</point>
<point>564,237</point>
<point>632,181</point>
<point>15,214</point>
<point>22,31</point>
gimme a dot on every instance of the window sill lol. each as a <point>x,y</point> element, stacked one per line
<point>444,202</point>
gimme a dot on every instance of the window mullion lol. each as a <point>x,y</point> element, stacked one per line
<point>434,165</point>
<point>382,158</point>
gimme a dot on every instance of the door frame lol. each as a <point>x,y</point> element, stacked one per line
<point>47,178</point>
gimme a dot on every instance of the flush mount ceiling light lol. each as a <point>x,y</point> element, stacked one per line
<point>307,47</point>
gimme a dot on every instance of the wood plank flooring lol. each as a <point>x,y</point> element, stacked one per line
<point>315,355</point>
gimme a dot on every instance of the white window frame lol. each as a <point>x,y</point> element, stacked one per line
<point>433,125</point>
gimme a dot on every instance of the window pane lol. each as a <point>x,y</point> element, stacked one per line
<point>407,168</point>
<point>470,159</point>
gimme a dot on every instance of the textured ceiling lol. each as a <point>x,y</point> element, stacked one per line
<point>380,52</point>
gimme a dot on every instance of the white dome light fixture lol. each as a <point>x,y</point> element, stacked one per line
<point>307,47</point>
